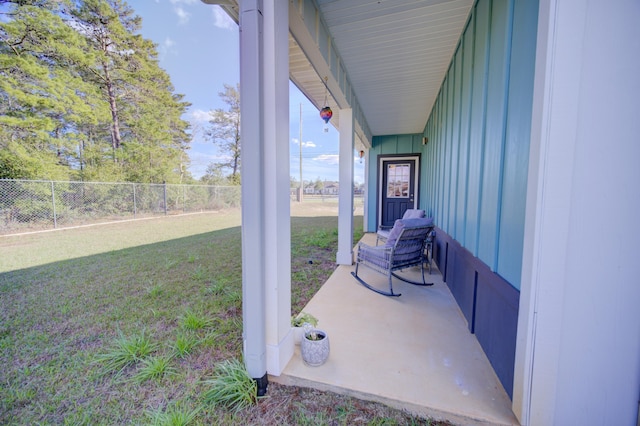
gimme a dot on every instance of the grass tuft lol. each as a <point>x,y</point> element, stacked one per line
<point>185,344</point>
<point>154,290</point>
<point>217,287</point>
<point>303,418</point>
<point>126,351</point>
<point>231,386</point>
<point>192,321</point>
<point>199,274</point>
<point>154,368</point>
<point>173,416</point>
<point>233,298</point>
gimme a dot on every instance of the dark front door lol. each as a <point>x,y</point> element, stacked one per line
<point>397,188</point>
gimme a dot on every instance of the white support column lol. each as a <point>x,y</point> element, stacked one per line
<point>365,196</point>
<point>277,251</point>
<point>253,225</point>
<point>345,197</point>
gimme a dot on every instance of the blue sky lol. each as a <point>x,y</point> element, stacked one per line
<point>198,46</point>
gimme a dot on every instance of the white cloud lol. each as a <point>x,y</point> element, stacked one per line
<point>166,47</point>
<point>328,158</point>
<point>183,15</point>
<point>180,10</point>
<point>199,120</point>
<point>220,17</point>
<point>222,20</point>
<point>307,144</point>
<point>200,116</point>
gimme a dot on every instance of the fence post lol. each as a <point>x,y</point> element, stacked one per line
<point>184,198</point>
<point>164,184</point>
<point>135,206</point>
<point>53,200</point>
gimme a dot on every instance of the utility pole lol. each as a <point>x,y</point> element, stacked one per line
<point>301,190</point>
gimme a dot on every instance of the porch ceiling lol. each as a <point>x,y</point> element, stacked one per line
<point>396,54</point>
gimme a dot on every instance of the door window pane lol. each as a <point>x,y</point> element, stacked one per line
<point>398,180</point>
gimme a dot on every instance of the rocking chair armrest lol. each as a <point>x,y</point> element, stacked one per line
<point>366,247</point>
<point>382,234</point>
<point>367,252</point>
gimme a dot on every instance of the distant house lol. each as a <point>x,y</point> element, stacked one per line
<point>310,189</point>
<point>331,188</point>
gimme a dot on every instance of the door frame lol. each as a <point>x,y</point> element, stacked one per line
<point>416,178</point>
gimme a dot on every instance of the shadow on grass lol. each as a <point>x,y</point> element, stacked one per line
<point>57,318</point>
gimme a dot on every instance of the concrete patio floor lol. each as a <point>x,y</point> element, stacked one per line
<point>413,352</point>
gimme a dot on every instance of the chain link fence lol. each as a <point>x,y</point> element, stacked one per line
<point>28,205</point>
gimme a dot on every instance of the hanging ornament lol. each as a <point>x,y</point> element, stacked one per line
<point>325,112</point>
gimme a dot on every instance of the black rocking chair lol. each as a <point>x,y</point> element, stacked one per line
<point>403,249</point>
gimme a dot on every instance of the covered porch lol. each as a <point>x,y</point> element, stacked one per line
<point>412,352</point>
<point>510,106</point>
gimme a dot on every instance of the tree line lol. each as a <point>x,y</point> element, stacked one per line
<point>82,96</point>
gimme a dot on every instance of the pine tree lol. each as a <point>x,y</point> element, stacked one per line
<point>83,95</point>
<point>224,130</point>
<point>145,113</point>
<point>44,101</point>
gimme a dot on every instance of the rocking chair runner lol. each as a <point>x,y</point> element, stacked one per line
<point>403,249</point>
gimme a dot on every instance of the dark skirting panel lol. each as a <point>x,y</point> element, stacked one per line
<point>496,321</point>
<point>440,254</point>
<point>461,279</point>
<point>488,302</point>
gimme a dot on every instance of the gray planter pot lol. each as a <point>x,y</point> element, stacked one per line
<point>315,352</point>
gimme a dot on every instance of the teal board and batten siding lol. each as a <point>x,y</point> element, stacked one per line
<point>474,170</point>
<point>478,135</point>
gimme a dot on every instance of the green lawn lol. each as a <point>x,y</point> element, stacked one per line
<point>125,323</point>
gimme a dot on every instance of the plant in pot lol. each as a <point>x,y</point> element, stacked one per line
<point>298,322</point>
<point>314,346</point>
